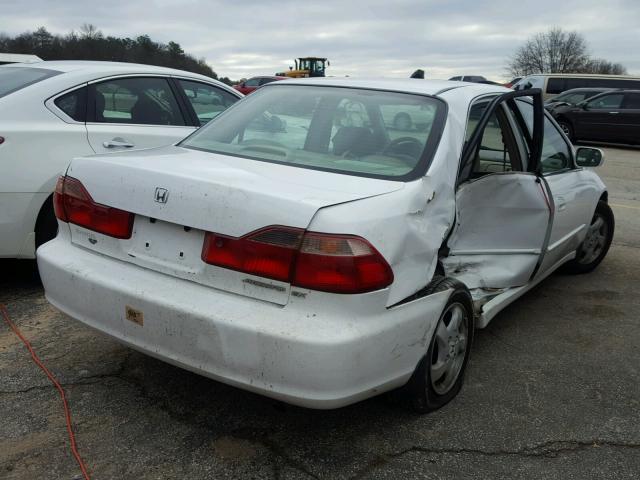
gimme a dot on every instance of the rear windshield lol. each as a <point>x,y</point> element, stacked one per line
<point>361,132</point>
<point>13,79</point>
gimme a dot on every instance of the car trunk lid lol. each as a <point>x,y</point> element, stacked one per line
<point>178,194</point>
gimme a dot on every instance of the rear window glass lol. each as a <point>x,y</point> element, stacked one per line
<point>13,79</point>
<point>346,130</point>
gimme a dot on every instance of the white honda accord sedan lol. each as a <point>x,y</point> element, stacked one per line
<point>51,112</point>
<point>305,246</point>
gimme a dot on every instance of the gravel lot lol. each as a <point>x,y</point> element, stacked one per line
<point>552,391</point>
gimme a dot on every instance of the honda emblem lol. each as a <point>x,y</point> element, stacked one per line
<point>162,195</point>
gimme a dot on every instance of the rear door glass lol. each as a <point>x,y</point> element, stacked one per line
<point>142,101</point>
<point>612,101</point>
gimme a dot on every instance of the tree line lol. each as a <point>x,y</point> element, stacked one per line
<point>90,44</point>
<point>559,51</point>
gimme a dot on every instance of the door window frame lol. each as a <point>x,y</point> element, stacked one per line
<point>91,109</point>
<point>522,124</point>
<point>193,119</point>
<point>535,150</point>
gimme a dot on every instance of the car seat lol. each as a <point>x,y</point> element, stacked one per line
<point>147,111</point>
<point>357,140</point>
<point>100,105</point>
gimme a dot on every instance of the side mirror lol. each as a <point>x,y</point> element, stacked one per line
<point>583,105</point>
<point>589,157</point>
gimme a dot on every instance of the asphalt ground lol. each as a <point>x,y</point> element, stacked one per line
<point>552,392</point>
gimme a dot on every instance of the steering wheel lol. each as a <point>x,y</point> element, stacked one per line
<point>405,146</point>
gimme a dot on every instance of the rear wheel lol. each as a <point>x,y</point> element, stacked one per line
<point>46,224</point>
<point>439,375</point>
<point>596,243</point>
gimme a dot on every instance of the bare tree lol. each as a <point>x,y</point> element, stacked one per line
<point>555,51</point>
<point>602,66</point>
<point>558,51</point>
<point>90,31</point>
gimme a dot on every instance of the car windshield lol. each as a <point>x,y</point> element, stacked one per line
<point>13,79</point>
<point>346,130</point>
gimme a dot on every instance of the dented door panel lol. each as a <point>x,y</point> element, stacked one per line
<point>501,227</point>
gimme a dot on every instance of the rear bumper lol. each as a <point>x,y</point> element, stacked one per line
<point>318,351</point>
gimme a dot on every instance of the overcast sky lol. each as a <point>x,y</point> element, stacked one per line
<point>242,38</point>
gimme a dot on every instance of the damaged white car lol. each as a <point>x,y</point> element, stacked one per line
<point>309,246</point>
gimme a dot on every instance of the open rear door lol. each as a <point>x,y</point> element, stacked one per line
<point>503,211</point>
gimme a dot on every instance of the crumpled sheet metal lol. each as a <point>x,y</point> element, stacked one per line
<point>416,220</point>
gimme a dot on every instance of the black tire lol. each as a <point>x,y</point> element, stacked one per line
<point>567,128</point>
<point>420,391</point>
<point>46,224</point>
<point>584,263</point>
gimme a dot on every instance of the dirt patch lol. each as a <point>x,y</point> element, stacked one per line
<point>237,450</point>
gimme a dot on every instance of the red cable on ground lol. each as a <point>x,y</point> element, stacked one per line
<point>67,412</point>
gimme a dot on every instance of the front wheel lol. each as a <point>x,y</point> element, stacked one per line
<point>439,375</point>
<point>596,243</point>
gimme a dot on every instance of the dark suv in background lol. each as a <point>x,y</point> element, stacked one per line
<point>612,116</point>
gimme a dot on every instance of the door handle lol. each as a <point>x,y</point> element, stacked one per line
<point>613,113</point>
<point>117,142</point>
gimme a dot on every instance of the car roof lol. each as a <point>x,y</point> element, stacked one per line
<point>408,85</point>
<point>66,66</point>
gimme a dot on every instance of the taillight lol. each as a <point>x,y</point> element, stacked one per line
<point>266,253</point>
<point>72,203</point>
<point>340,264</point>
<point>318,261</point>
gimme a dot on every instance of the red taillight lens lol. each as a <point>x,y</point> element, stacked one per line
<point>58,200</point>
<point>266,253</point>
<point>325,262</point>
<point>340,264</point>
<point>72,203</point>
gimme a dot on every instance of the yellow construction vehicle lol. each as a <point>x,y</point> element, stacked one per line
<point>306,67</point>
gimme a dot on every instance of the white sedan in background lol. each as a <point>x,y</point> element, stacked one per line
<point>53,111</point>
<point>305,247</point>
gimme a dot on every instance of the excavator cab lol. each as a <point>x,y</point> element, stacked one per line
<point>315,66</point>
<point>307,67</point>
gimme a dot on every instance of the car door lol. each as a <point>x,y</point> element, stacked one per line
<point>596,119</point>
<point>571,198</point>
<point>135,112</point>
<point>503,216</point>
<point>206,101</point>
<point>629,118</point>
